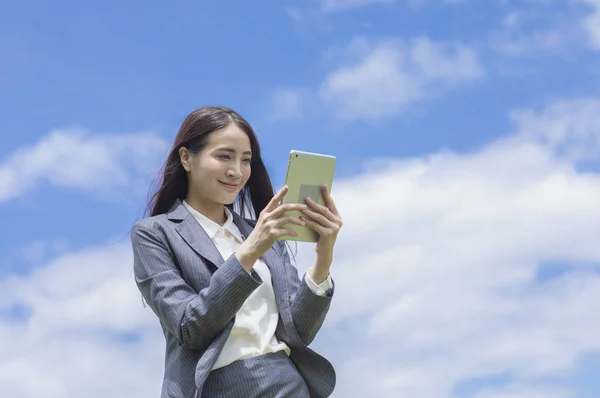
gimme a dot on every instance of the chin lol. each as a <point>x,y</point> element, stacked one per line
<point>227,200</point>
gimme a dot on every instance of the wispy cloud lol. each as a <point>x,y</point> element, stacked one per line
<point>345,5</point>
<point>510,41</point>
<point>548,27</point>
<point>525,391</point>
<point>286,103</point>
<point>591,23</point>
<point>534,29</point>
<point>390,75</point>
<point>342,5</point>
<point>37,251</point>
<point>78,159</point>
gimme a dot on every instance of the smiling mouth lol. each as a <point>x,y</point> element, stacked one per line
<point>230,186</point>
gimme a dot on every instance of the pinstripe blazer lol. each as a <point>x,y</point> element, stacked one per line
<point>196,293</point>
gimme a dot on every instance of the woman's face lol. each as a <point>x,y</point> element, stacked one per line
<point>220,170</point>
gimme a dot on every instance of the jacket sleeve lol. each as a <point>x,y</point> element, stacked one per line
<point>308,309</point>
<point>194,318</point>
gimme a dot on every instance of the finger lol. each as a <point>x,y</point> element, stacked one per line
<point>272,205</point>
<point>289,220</point>
<point>321,209</point>
<point>329,200</point>
<point>316,217</point>
<point>321,230</point>
<point>281,210</point>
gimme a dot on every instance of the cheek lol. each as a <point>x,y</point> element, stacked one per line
<point>247,171</point>
<point>210,167</point>
<point>205,170</point>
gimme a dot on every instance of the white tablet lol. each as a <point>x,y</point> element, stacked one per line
<point>306,174</point>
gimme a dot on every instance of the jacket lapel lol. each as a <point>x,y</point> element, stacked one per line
<point>193,234</point>
<point>273,261</point>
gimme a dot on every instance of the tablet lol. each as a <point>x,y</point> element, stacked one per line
<point>306,174</point>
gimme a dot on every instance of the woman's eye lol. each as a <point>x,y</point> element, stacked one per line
<point>248,161</point>
<point>223,157</point>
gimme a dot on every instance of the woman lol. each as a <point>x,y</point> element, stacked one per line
<point>236,317</point>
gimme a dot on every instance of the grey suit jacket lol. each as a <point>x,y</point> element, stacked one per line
<point>196,293</point>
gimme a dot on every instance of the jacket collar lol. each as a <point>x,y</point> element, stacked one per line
<point>196,236</point>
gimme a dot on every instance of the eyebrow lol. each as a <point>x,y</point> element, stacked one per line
<point>231,150</point>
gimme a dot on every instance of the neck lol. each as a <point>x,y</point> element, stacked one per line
<point>215,211</point>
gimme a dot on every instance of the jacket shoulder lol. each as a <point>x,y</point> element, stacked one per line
<point>152,223</point>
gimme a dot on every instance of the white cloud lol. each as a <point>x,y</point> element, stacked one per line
<point>78,159</point>
<point>342,5</point>
<point>591,23</point>
<point>529,44</point>
<point>390,75</point>
<point>459,240</point>
<point>37,251</point>
<point>519,391</point>
<point>576,137</point>
<point>548,27</point>
<point>82,306</point>
<point>435,274</point>
<point>532,29</point>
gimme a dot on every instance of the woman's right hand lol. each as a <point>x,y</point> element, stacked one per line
<point>270,227</point>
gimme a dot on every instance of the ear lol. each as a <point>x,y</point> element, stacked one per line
<point>184,158</point>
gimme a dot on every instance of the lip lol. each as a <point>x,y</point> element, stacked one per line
<point>230,186</point>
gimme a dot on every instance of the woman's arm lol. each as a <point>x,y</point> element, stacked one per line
<point>194,318</point>
<point>308,309</point>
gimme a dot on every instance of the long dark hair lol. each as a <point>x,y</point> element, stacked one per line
<point>193,135</point>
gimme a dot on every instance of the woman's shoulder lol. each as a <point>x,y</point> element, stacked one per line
<point>151,220</point>
<point>150,224</point>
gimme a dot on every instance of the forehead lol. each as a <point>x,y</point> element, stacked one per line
<point>230,137</point>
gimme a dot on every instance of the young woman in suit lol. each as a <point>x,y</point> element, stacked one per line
<point>236,317</point>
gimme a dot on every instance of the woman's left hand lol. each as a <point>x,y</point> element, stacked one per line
<point>326,222</point>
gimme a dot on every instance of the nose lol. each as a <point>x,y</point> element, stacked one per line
<point>234,172</point>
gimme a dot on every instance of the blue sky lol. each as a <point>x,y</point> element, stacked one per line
<point>467,135</point>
